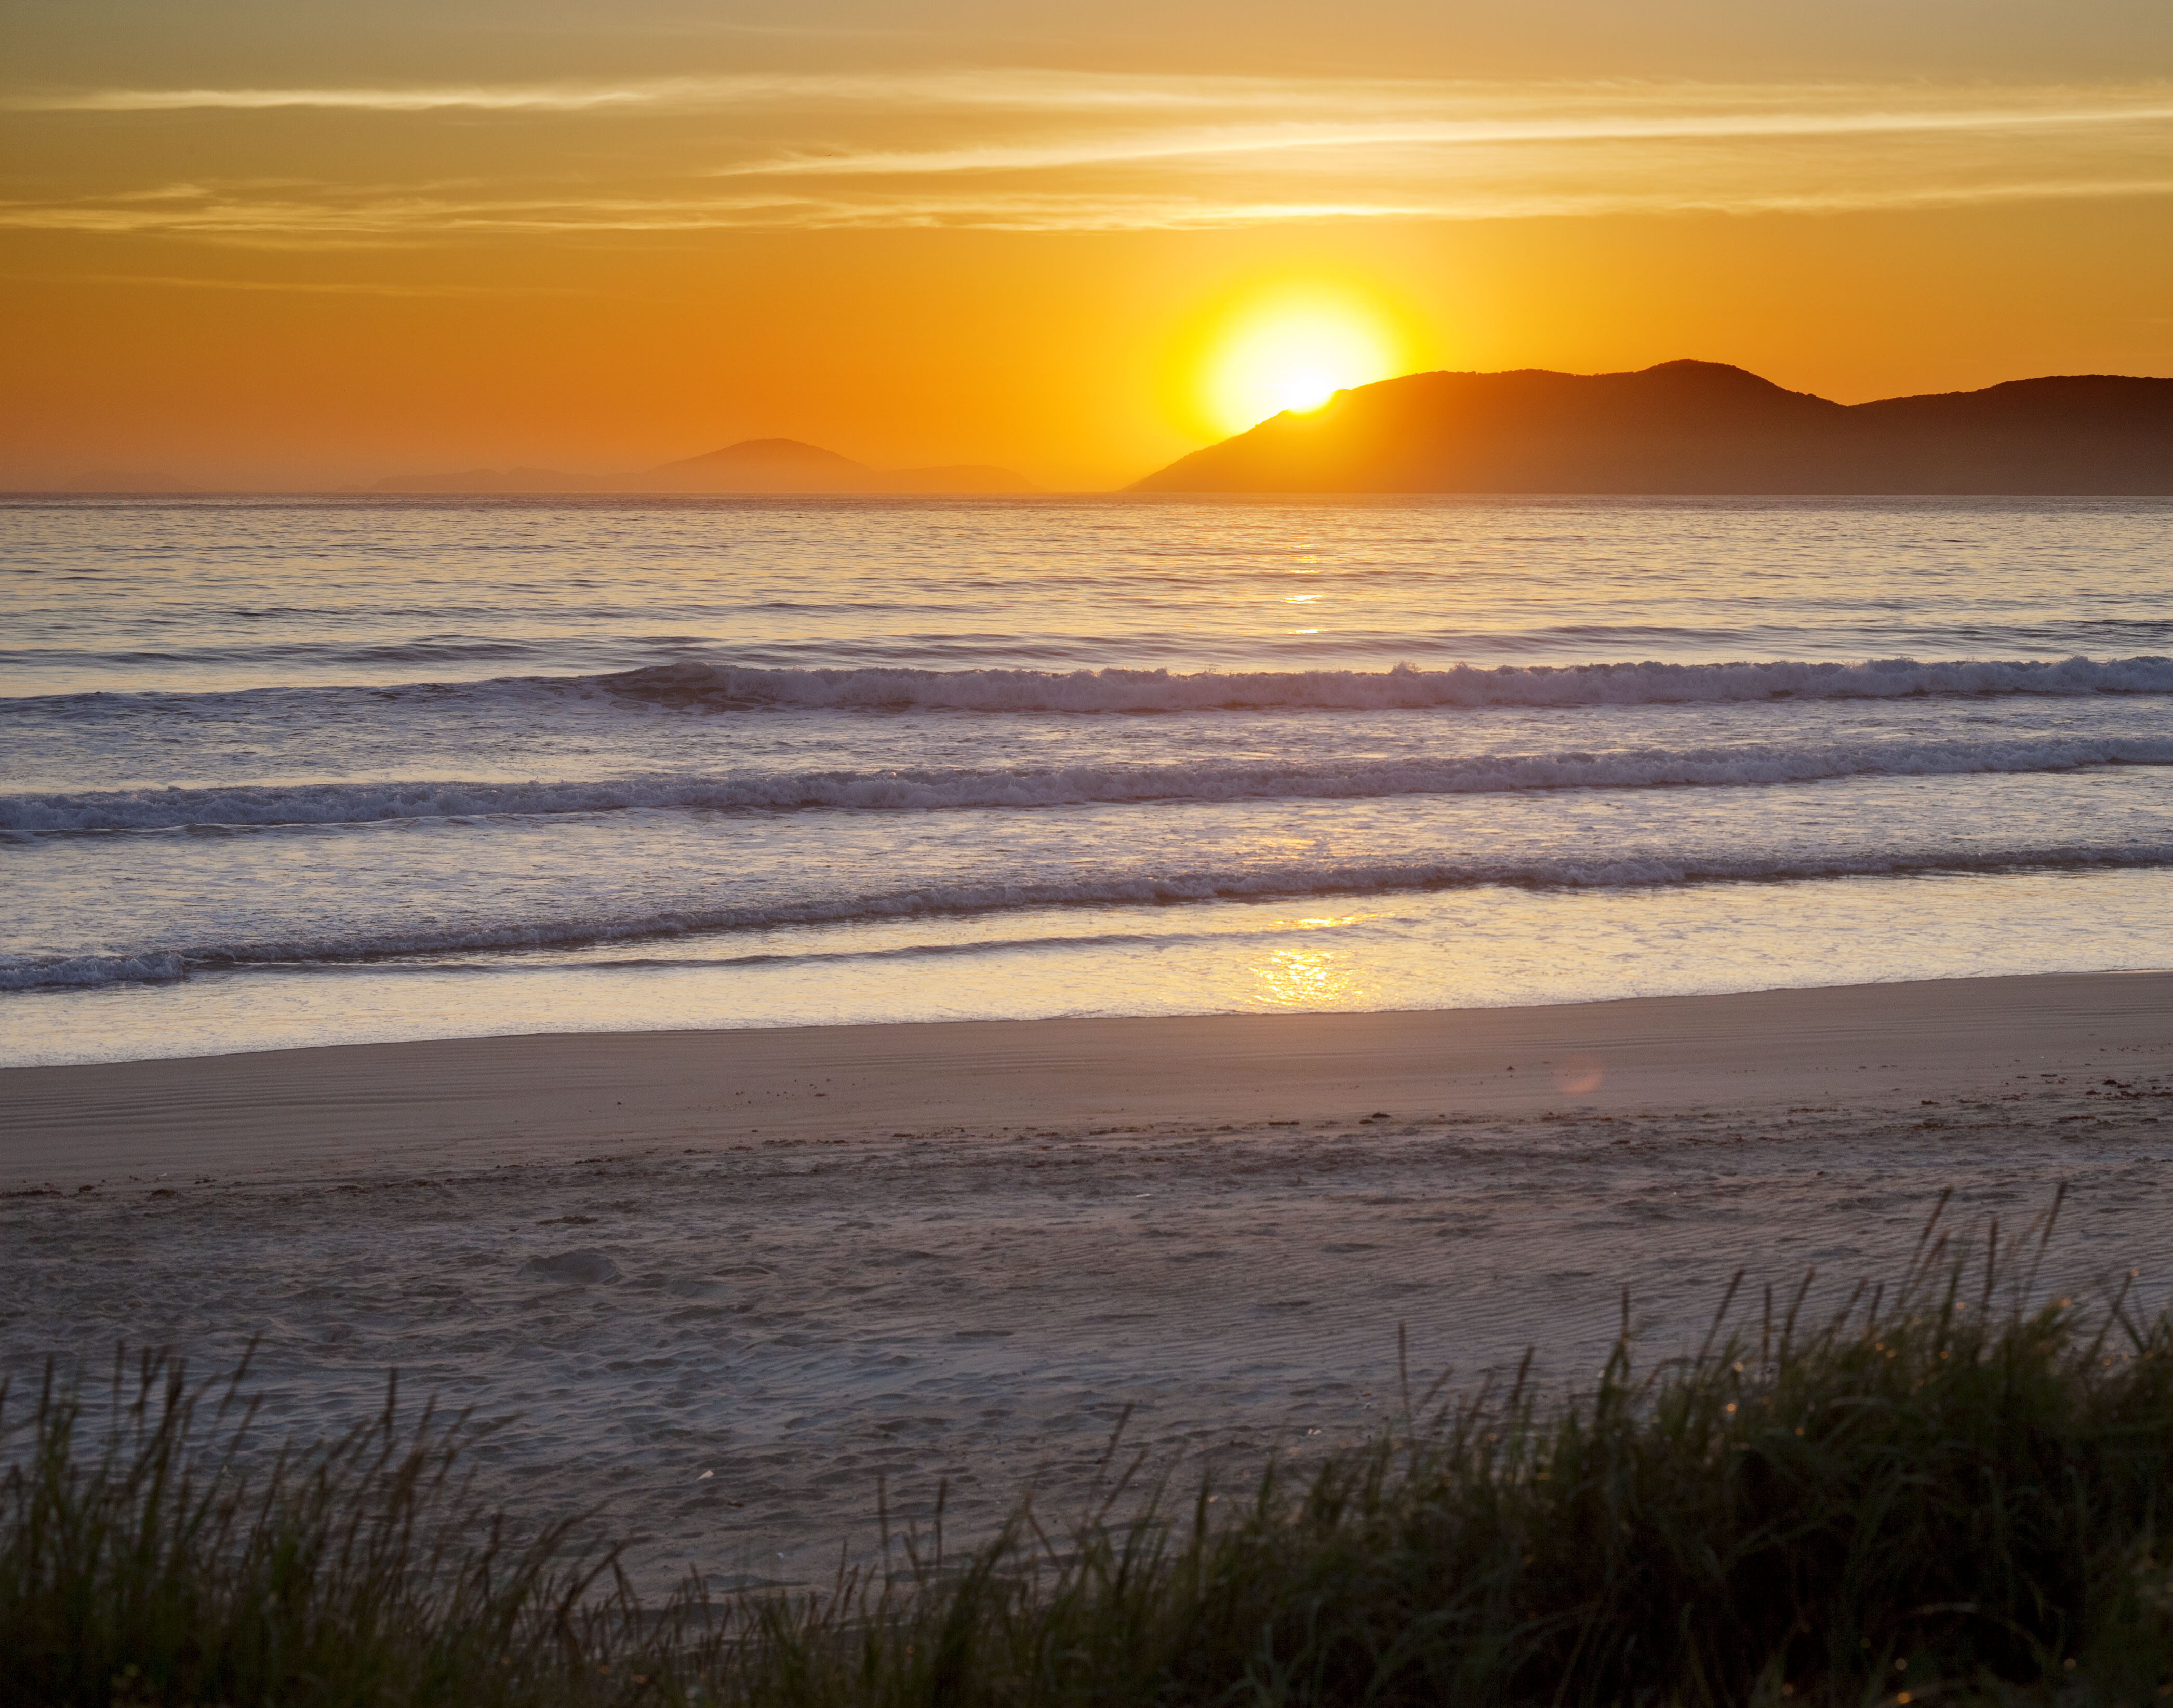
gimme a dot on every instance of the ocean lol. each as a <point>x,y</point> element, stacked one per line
<point>283,771</point>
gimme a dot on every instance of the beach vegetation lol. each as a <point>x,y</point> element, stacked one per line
<point>1946,1489</point>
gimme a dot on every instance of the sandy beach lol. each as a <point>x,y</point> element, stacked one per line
<point>957,1253</point>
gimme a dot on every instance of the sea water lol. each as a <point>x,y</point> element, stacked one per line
<point>312,770</point>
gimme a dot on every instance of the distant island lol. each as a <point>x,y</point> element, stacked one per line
<point>1696,427</point>
<point>751,465</point>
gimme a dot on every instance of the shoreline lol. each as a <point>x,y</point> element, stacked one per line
<point>481,1102</point>
<point>723,1288</point>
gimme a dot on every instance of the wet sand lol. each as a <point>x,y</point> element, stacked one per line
<point>958,1253</point>
<point>468,1101</point>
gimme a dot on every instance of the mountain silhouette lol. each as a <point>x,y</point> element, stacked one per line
<point>751,465</point>
<point>760,466</point>
<point>489,480</point>
<point>1696,427</point>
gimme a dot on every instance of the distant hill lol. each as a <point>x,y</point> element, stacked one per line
<point>1696,427</point>
<point>490,480</point>
<point>751,465</point>
<point>759,466</point>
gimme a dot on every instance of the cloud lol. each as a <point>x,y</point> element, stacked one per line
<point>1443,133</point>
<point>541,99</point>
<point>1027,88</point>
<point>423,219</point>
<point>1048,150</point>
<point>1030,90</point>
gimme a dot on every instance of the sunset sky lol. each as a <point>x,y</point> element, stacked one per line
<point>293,243</point>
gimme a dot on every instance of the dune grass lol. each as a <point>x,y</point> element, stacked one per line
<point>1947,1489</point>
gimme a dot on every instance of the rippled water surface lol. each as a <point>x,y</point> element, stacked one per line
<point>283,771</point>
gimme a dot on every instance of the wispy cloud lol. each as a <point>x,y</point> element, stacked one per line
<point>1029,88</point>
<point>307,225</point>
<point>561,99</point>
<point>1035,90</point>
<point>1050,150</point>
<point>1446,134</point>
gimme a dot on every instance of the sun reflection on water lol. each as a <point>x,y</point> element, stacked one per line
<point>1307,979</point>
<point>1310,977</point>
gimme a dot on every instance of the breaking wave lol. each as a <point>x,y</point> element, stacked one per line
<point>1404,687</point>
<point>1294,882</point>
<point>694,686</point>
<point>81,972</point>
<point>261,806</point>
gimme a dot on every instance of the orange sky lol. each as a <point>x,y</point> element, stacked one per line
<point>296,245</point>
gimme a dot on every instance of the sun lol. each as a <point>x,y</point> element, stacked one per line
<point>1295,352</point>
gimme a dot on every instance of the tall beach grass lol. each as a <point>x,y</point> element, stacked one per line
<point>1947,1489</point>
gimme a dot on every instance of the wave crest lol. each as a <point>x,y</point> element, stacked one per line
<point>1404,687</point>
<point>86,971</point>
<point>265,805</point>
<point>1641,869</point>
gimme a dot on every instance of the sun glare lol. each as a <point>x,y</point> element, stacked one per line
<point>1294,354</point>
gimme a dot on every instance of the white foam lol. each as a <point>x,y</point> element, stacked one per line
<point>726,687</point>
<point>1406,686</point>
<point>81,971</point>
<point>932,789</point>
<point>1294,880</point>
